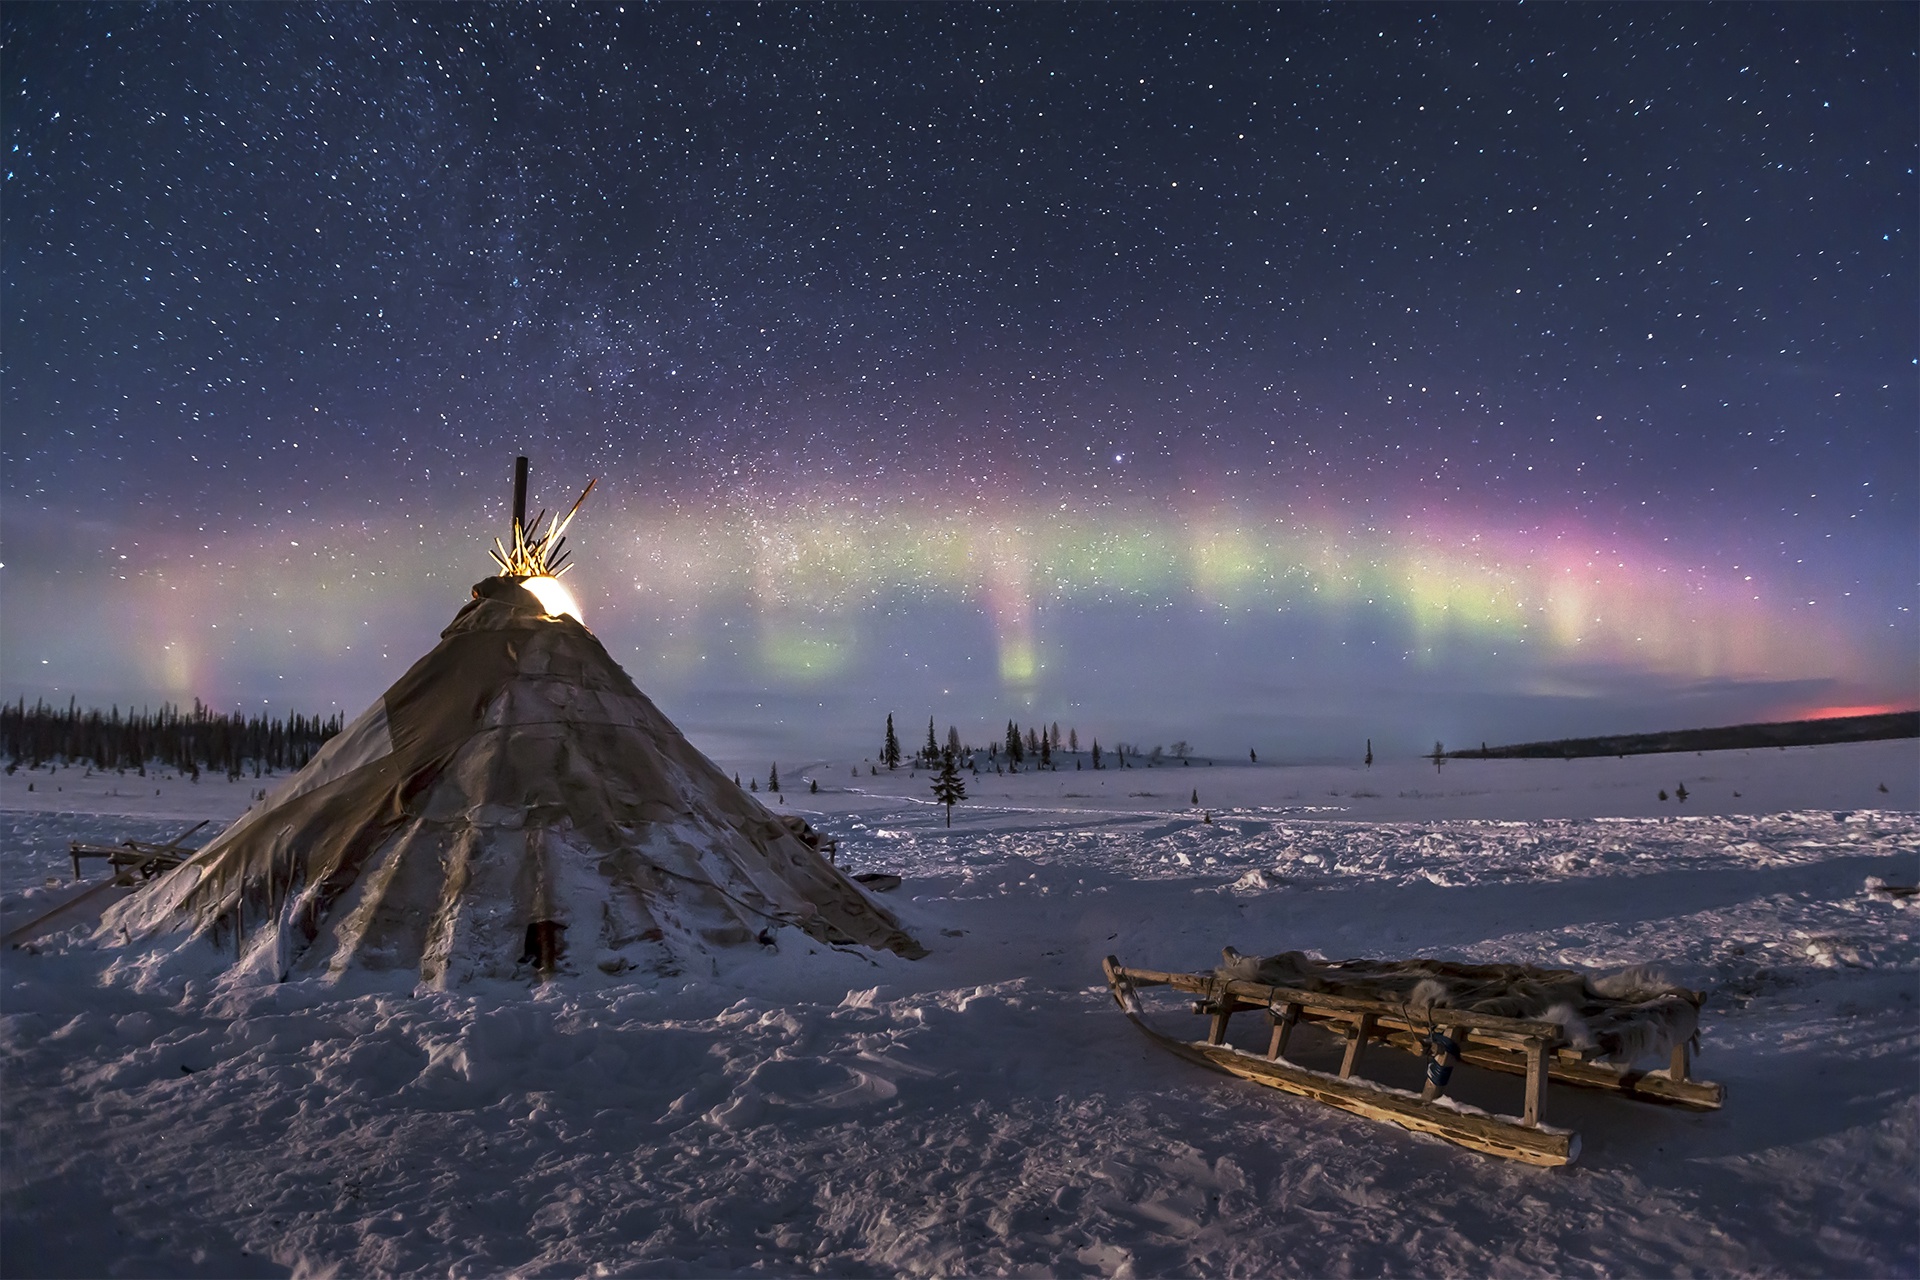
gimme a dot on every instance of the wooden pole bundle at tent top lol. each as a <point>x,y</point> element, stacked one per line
<point>535,556</point>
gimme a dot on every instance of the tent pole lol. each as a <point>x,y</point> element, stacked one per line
<point>519,496</point>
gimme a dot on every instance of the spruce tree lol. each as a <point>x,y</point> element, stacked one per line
<point>773,777</point>
<point>890,753</point>
<point>931,751</point>
<point>948,787</point>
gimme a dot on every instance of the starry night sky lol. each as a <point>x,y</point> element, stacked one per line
<point>1272,376</point>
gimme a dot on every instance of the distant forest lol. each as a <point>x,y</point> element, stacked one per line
<point>170,737</point>
<point>1779,733</point>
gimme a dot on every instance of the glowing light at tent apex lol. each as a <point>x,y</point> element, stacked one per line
<point>553,597</point>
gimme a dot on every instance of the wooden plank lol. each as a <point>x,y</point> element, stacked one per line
<point>1490,1135</point>
<point>1283,1025</point>
<point>1259,993</point>
<point>1221,1007</point>
<point>1358,1033</point>
<point>1536,1095</point>
<point>1217,1027</point>
<point>88,904</point>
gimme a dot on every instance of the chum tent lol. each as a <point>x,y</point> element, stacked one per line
<point>512,807</point>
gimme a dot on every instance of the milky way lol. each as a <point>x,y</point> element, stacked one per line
<point>1238,374</point>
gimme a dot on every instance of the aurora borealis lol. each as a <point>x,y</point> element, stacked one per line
<point>1262,376</point>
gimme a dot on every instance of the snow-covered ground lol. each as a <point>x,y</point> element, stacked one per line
<point>987,1109</point>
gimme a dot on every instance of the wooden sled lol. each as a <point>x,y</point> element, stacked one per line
<point>133,863</point>
<point>1533,1048</point>
<point>136,857</point>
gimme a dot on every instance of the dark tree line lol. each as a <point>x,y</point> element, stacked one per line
<point>186,741</point>
<point>1042,745</point>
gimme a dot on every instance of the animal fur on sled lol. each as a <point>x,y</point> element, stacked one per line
<point>1630,1016</point>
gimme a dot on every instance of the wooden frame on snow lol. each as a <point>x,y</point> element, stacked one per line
<point>1532,1048</point>
<point>131,857</point>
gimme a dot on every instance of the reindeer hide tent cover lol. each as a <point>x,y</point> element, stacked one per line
<point>1627,1016</point>
<point>514,802</point>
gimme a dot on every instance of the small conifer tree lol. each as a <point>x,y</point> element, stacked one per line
<point>773,778</point>
<point>890,752</point>
<point>948,787</point>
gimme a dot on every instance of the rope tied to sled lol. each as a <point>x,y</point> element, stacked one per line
<point>1438,1053</point>
<point>1438,1050</point>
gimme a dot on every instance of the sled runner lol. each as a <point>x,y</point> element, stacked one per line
<point>1536,1023</point>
